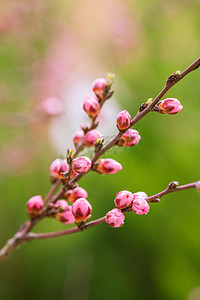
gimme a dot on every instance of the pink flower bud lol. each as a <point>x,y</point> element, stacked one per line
<point>98,87</point>
<point>52,106</point>
<point>81,164</point>
<point>58,168</point>
<point>107,166</point>
<point>81,210</point>
<point>198,186</point>
<point>130,138</point>
<point>140,205</point>
<point>66,217</point>
<point>61,203</point>
<point>73,195</point>
<point>123,199</point>
<point>79,192</point>
<point>170,106</point>
<point>115,218</point>
<point>69,196</point>
<point>91,137</point>
<point>123,120</point>
<point>91,106</point>
<point>34,205</point>
<point>78,137</point>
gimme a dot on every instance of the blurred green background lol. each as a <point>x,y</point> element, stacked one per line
<point>43,46</point>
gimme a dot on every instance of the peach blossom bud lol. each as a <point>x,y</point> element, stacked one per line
<point>123,199</point>
<point>78,137</point>
<point>140,206</point>
<point>115,218</point>
<point>76,193</point>
<point>130,138</point>
<point>79,192</point>
<point>198,186</point>
<point>61,203</point>
<point>91,106</point>
<point>69,196</point>
<point>34,205</point>
<point>58,168</point>
<point>123,120</point>
<point>170,106</point>
<point>52,106</point>
<point>91,137</point>
<point>81,210</point>
<point>98,87</point>
<point>67,216</point>
<point>81,164</point>
<point>107,166</point>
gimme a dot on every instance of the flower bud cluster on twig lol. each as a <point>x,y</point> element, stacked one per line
<point>71,204</point>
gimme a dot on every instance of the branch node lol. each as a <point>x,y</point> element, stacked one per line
<point>173,184</point>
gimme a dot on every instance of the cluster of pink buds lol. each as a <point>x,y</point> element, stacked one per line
<point>107,166</point>
<point>130,138</point>
<point>76,193</point>
<point>123,200</point>
<point>34,206</point>
<point>169,106</point>
<point>81,165</point>
<point>58,169</point>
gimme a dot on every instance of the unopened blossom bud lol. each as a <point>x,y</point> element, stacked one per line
<point>79,192</point>
<point>91,106</point>
<point>130,138</point>
<point>107,166</point>
<point>91,137</point>
<point>59,168</point>
<point>81,210</point>
<point>198,186</point>
<point>62,204</point>
<point>98,87</point>
<point>67,216</point>
<point>81,164</point>
<point>115,218</point>
<point>69,196</point>
<point>169,106</point>
<point>123,199</point>
<point>76,193</point>
<point>109,79</point>
<point>140,206</point>
<point>123,120</point>
<point>52,106</point>
<point>78,137</point>
<point>34,205</point>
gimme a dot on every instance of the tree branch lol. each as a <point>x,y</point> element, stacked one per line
<point>170,189</point>
<point>23,232</point>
